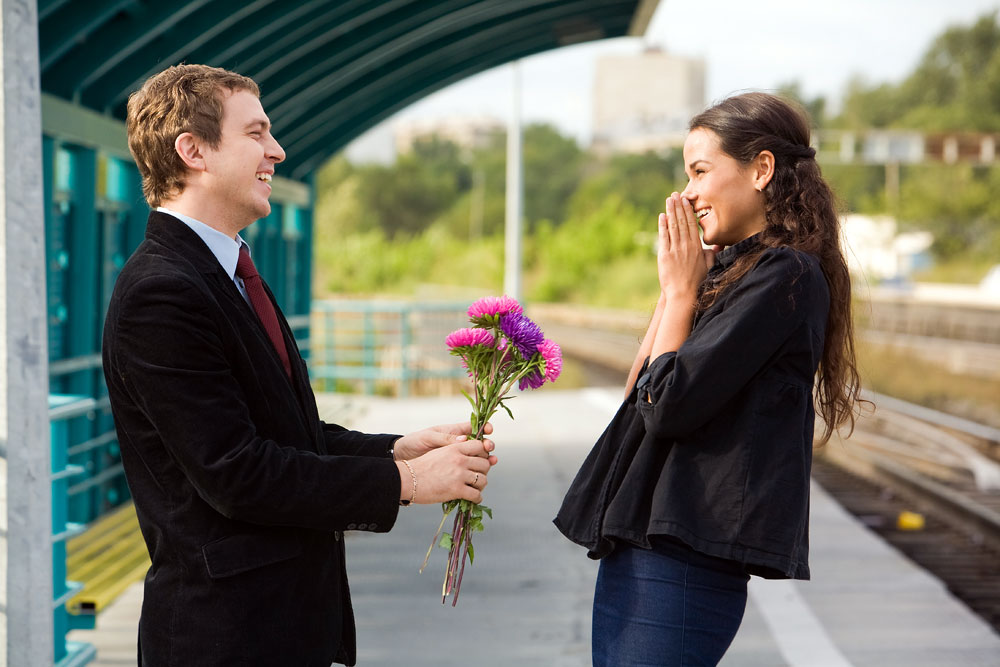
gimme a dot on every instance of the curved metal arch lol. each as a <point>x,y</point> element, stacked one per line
<point>327,65</point>
<point>219,15</point>
<point>321,136</point>
<point>368,14</point>
<point>328,69</point>
<point>451,40</point>
<point>177,45</point>
<point>114,42</point>
<point>58,35</point>
<point>246,43</point>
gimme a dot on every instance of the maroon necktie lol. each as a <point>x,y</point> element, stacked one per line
<point>262,304</point>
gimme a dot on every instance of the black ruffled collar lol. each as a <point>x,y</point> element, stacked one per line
<point>731,253</point>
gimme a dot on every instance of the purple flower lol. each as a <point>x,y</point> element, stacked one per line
<point>534,380</point>
<point>468,338</point>
<point>485,311</point>
<point>522,333</point>
<point>552,355</point>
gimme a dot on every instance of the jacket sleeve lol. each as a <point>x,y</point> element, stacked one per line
<point>683,390</point>
<point>340,440</point>
<point>170,358</point>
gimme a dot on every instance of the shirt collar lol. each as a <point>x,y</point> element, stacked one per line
<point>729,255</point>
<point>225,249</point>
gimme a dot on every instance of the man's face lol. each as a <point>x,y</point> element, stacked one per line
<point>241,166</point>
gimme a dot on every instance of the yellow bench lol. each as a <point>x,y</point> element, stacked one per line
<point>106,558</point>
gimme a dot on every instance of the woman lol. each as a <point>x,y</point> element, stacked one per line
<point>702,477</point>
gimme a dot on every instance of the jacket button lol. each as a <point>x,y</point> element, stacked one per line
<point>362,526</point>
<point>351,526</point>
<point>372,526</point>
<point>336,535</point>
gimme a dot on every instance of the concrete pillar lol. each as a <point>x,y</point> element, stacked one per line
<point>26,619</point>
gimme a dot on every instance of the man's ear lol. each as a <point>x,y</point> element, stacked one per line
<point>763,169</point>
<point>188,147</point>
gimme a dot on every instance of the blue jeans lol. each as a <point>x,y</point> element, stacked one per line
<point>665,608</point>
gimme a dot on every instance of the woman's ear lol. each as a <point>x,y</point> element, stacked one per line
<point>189,148</point>
<point>763,169</point>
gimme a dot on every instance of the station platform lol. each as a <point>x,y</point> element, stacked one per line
<point>527,598</point>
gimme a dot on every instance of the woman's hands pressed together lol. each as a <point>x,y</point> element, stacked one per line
<point>681,261</point>
<point>681,265</point>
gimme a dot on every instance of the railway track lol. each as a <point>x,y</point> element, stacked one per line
<point>925,481</point>
<point>929,484</point>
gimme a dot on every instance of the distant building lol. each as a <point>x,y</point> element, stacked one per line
<point>876,253</point>
<point>376,146</point>
<point>644,102</point>
<point>465,131</point>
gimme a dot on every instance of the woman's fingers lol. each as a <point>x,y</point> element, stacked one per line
<point>691,222</point>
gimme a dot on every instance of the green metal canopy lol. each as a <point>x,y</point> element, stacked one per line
<point>328,70</point>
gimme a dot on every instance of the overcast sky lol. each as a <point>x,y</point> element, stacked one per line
<point>760,45</point>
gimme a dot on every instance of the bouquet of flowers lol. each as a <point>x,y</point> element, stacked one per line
<point>501,348</point>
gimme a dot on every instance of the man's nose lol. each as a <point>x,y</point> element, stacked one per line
<point>275,153</point>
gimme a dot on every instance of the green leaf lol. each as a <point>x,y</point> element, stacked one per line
<point>445,541</point>
<point>488,511</point>
<point>507,410</point>
<point>471,401</point>
<point>472,553</point>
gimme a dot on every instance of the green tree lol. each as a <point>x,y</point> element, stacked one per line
<point>956,86</point>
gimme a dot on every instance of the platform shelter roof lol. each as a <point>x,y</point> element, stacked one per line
<point>328,69</point>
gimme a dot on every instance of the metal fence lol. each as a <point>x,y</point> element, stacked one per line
<point>384,347</point>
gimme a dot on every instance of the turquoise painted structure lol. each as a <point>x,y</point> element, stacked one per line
<point>67,653</point>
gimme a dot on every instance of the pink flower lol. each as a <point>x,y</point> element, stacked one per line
<point>488,309</point>
<point>468,338</point>
<point>552,354</point>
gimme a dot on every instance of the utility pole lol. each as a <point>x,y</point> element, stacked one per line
<point>515,192</point>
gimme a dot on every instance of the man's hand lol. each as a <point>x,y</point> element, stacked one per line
<point>418,443</point>
<point>447,473</point>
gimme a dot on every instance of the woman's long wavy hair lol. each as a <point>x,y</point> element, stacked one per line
<point>801,213</point>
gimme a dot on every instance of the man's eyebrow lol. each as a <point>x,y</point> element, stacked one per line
<point>259,123</point>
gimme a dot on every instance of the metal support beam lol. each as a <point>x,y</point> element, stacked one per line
<point>25,474</point>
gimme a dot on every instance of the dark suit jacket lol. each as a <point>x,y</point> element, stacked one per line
<point>240,489</point>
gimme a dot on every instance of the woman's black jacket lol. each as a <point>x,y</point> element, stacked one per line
<point>714,444</point>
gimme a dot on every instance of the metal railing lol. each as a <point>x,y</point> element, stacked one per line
<point>392,347</point>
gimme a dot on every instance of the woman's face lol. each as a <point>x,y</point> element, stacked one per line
<point>722,192</point>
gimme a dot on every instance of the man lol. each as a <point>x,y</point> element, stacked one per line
<point>241,491</point>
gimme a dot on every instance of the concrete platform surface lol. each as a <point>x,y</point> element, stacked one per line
<point>527,598</point>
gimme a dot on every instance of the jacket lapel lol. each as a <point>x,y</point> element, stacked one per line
<point>176,235</point>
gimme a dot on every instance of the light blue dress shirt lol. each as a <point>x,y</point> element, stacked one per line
<point>225,249</point>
